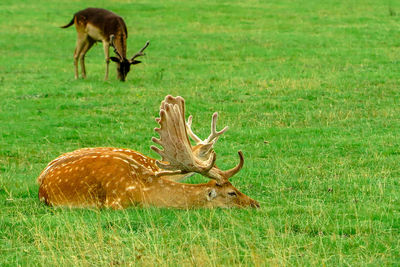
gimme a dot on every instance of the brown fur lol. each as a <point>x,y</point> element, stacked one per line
<point>98,25</point>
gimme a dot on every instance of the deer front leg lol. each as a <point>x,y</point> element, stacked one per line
<point>106,46</point>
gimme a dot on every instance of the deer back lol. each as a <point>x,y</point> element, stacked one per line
<point>100,24</point>
<point>95,177</point>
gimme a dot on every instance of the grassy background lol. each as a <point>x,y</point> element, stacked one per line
<point>310,90</point>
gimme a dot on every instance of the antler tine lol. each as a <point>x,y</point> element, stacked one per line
<point>213,137</point>
<point>112,37</point>
<point>190,131</point>
<point>140,53</point>
<point>229,173</point>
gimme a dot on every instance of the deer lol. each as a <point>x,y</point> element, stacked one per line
<point>118,178</point>
<point>101,25</point>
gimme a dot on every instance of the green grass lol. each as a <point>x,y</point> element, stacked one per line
<point>310,90</point>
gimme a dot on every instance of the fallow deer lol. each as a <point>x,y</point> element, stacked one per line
<point>119,178</point>
<point>100,25</point>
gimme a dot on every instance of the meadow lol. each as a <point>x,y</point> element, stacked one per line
<point>309,89</point>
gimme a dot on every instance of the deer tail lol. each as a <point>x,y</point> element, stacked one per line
<point>69,24</point>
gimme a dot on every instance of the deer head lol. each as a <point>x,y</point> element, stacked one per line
<point>124,64</point>
<point>179,156</point>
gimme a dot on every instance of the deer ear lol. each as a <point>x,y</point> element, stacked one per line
<point>134,62</point>
<point>211,194</point>
<point>115,59</point>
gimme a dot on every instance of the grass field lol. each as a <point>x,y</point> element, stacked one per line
<point>310,90</point>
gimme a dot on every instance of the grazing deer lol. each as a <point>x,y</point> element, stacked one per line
<point>118,178</point>
<point>100,25</point>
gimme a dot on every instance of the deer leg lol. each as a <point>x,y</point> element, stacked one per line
<point>80,42</point>
<point>106,46</point>
<point>88,44</point>
<point>113,202</point>
<point>76,57</point>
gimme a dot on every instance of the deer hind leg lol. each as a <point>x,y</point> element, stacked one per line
<point>80,43</point>
<point>88,44</point>
<point>106,46</point>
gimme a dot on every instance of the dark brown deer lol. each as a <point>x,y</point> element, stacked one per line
<point>100,25</point>
<point>119,178</point>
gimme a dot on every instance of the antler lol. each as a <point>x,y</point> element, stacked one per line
<point>173,138</point>
<point>229,173</point>
<point>140,53</point>
<point>214,135</point>
<point>112,37</point>
<point>190,131</point>
<point>178,151</point>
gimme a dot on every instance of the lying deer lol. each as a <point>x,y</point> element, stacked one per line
<point>100,25</point>
<point>118,178</point>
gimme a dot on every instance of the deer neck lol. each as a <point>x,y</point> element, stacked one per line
<point>120,44</point>
<point>166,193</point>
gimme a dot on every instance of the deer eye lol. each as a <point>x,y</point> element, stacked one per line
<point>233,194</point>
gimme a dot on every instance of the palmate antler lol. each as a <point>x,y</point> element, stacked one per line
<point>178,151</point>
<point>173,138</point>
